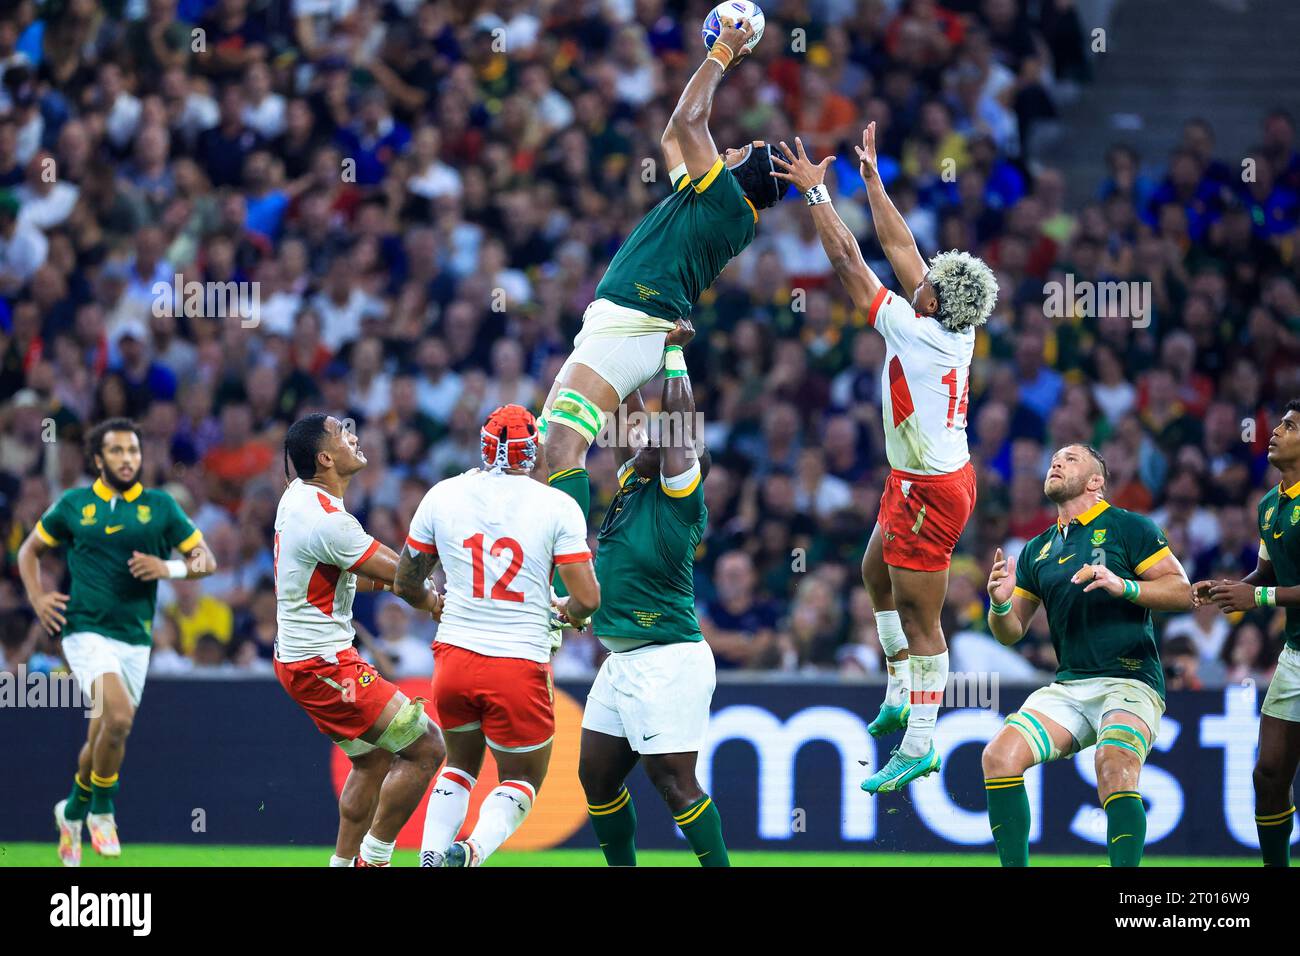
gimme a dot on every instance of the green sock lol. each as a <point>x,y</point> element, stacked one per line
<point>78,800</point>
<point>101,793</point>
<point>615,826</point>
<point>1126,827</point>
<point>702,824</point>
<point>1009,818</point>
<point>1275,836</point>
<point>576,483</point>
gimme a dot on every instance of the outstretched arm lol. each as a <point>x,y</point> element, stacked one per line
<point>687,138</point>
<point>677,437</point>
<point>841,246</point>
<point>891,228</point>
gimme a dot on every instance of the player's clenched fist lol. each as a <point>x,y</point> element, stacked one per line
<point>681,335</point>
<point>1002,579</point>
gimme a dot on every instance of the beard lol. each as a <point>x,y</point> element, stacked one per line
<point>117,484</point>
<point>1063,490</point>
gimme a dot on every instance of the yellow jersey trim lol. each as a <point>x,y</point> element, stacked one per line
<point>679,492</point>
<point>1027,595</point>
<point>45,535</point>
<point>1092,512</point>
<point>190,543</point>
<point>106,493</point>
<point>1148,563</point>
<point>1292,492</point>
<point>707,180</point>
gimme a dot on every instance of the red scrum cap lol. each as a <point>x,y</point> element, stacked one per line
<point>510,438</point>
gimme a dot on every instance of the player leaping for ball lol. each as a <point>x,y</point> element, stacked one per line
<point>1098,573</point>
<point>321,552</point>
<point>1275,582</point>
<point>674,254</point>
<point>499,534</point>
<point>930,493</point>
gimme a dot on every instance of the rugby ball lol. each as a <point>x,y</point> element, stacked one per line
<point>733,10</point>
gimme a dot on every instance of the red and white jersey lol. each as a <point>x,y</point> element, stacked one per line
<point>317,547</point>
<point>924,387</point>
<point>499,538</point>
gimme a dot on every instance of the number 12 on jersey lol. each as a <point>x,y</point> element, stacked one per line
<point>956,410</point>
<point>501,589</point>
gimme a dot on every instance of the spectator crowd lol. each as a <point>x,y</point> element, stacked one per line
<point>422,197</point>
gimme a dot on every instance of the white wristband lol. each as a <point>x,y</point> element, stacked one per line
<point>177,568</point>
<point>817,194</point>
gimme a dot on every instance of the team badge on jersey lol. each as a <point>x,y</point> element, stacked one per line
<point>1047,546</point>
<point>1295,515</point>
<point>1098,536</point>
<point>88,515</point>
<point>143,514</point>
<point>366,678</point>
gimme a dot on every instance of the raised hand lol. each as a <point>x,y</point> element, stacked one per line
<point>867,154</point>
<point>1002,578</point>
<point>734,35</point>
<point>799,169</point>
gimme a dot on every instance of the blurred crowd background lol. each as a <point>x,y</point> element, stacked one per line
<point>426,194</point>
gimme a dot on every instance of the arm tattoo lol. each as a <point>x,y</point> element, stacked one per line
<point>413,570</point>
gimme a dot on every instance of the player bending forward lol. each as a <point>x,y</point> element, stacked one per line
<point>1275,582</point>
<point>930,493</point>
<point>118,535</point>
<point>499,535</point>
<point>660,270</point>
<point>651,699</point>
<point>1098,572</point>
<point>321,555</point>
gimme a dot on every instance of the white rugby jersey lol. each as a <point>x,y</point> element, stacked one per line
<point>318,546</point>
<point>499,538</point>
<point>924,387</point>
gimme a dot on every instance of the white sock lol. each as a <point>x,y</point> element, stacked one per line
<point>892,640</point>
<point>375,851</point>
<point>929,678</point>
<point>502,812</point>
<point>341,860</point>
<point>445,813</point>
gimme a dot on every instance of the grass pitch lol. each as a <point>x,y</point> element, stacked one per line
<point>172,855</point>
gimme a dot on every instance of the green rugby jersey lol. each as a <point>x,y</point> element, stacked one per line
<point>1279,534</point>
<point>1095,634</point>
<point>100,530</point>
<point>645,563</point>
<point>681,246</point>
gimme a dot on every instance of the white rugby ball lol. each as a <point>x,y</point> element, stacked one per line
<point>733,10</point>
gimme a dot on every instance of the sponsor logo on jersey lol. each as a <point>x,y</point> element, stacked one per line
<point>1042,554</point>
<point>113,528</point>
<point>1098,536</point>
<point>1268,514</point>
